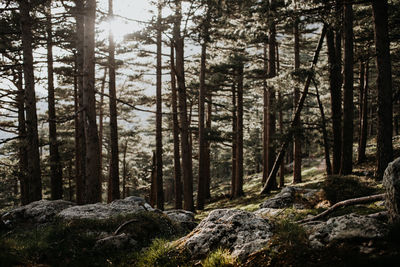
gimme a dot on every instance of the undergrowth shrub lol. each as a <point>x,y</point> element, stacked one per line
<point>220,258</point>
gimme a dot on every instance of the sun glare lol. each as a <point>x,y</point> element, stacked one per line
<point>118,28</point>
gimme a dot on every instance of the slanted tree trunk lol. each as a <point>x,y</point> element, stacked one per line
<point>32,136</point>
<point>384,151</point>
<point>272,176</point>
<point>159,147</point>
<point>297,135</point>
<point>22,151</point>
<point>328,166</point>
<point>185,142</point>
<point>364,117</point>
<point>348,105</point>
<point>80,142</point>
<point>175,125</point>
<point>239,129</point>
<point>113,178</point>
<point>55,163</point>
<point>93,184</point>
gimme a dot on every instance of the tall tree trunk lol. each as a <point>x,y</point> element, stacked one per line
<point>185,144</point>
<point>93,184</point>
<point>360,97</point>
<point>159,147</point>
<point>239,131</point>
<point>348,105</point>
<point>113,179</point>
<point>234,139</point>
<point>22,151</point>
<point>297,136</point>
<point>268,186</point>
<point>175,125</point>
<point>32,136</point>
<point>80,142</point>
<point>271,98</point>
<point>153,181</point>
<point>384,151</point>
<point>280,101</point>
<point>265,115</point>
<point>208,151</point>
<point>328,166</point>
<point>101,125</point>
<point>364,117</point>
<point>55,163</point>
<point>124,170</point>
<point>202,179</point>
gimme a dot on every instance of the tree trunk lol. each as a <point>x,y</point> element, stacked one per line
<point>239,129</point>
<point>80,142</point>
<point>22,151</point>
<point>297,135</point>
<point>177,156</point>
<point>384,151</point>
<point>32,136</point>
<point>364,117</point>
<point>234,140</point>
<point>55,163</point>
<point>93,184</point>
<point>268,186</point>
<point>124,170</point>
<point>101,126</point>
<point>159,147</point>
<point>348,105</point>
<point>208,151</point>
<point>265,116</point>
<point>180,74</point>
<point>328,165</point>
<point>113,179</point>
<point>153,181</point>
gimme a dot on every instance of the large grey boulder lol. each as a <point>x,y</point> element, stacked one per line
<point>391,182</point>
<point>345,228</point>
<point>41,211</point>
<point>129,205</point>
<point>239,231</point>
<point>291,196</point>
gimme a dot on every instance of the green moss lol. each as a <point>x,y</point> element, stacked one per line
<point>220,258</point>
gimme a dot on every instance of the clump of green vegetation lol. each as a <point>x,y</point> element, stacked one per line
<point>220,258</point>
<point>162,253</point>
<point>72,243</point>
<point>339,188</point>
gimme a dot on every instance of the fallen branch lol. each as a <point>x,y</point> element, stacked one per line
<point>344,203</point>
<point>123,225</point>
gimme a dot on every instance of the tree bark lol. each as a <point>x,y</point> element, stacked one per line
<point>113,179</point>
<point>124,170</point>
<point>101,127</point>
<point>55,163</point>
<point>32,136</point>
<point>297,135</point>
<point>177,156</point>
<point>93,184</point>
<point>185,142</point>
<point>208,150</point>
<point>80,142</point>
<point>384,152</point>
<point>239,129</point>
<point>348,105</point>
<point>268,186</point>
<point>159,146</point>
<point>234,140</point>
<point>364,117</point>
<point>265,115</point>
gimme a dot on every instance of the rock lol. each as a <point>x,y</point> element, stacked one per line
<point>41,211</point>
<point>268,212</point>
<point>391,182</point>
<point>290,196</point>
<point>182,217</point>
<point>115,242</point>
<point>129,205</point>
<point>239,231</point>
<point>345,228</point>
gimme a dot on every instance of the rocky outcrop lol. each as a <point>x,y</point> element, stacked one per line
<point>41,211</point>
<point>391,182</point>
<point>182,217</point>
<point>129,205</point>
<point>239,231</point>
<point>296,197</point>
<point>345,228</point>
<point>120,241</point>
